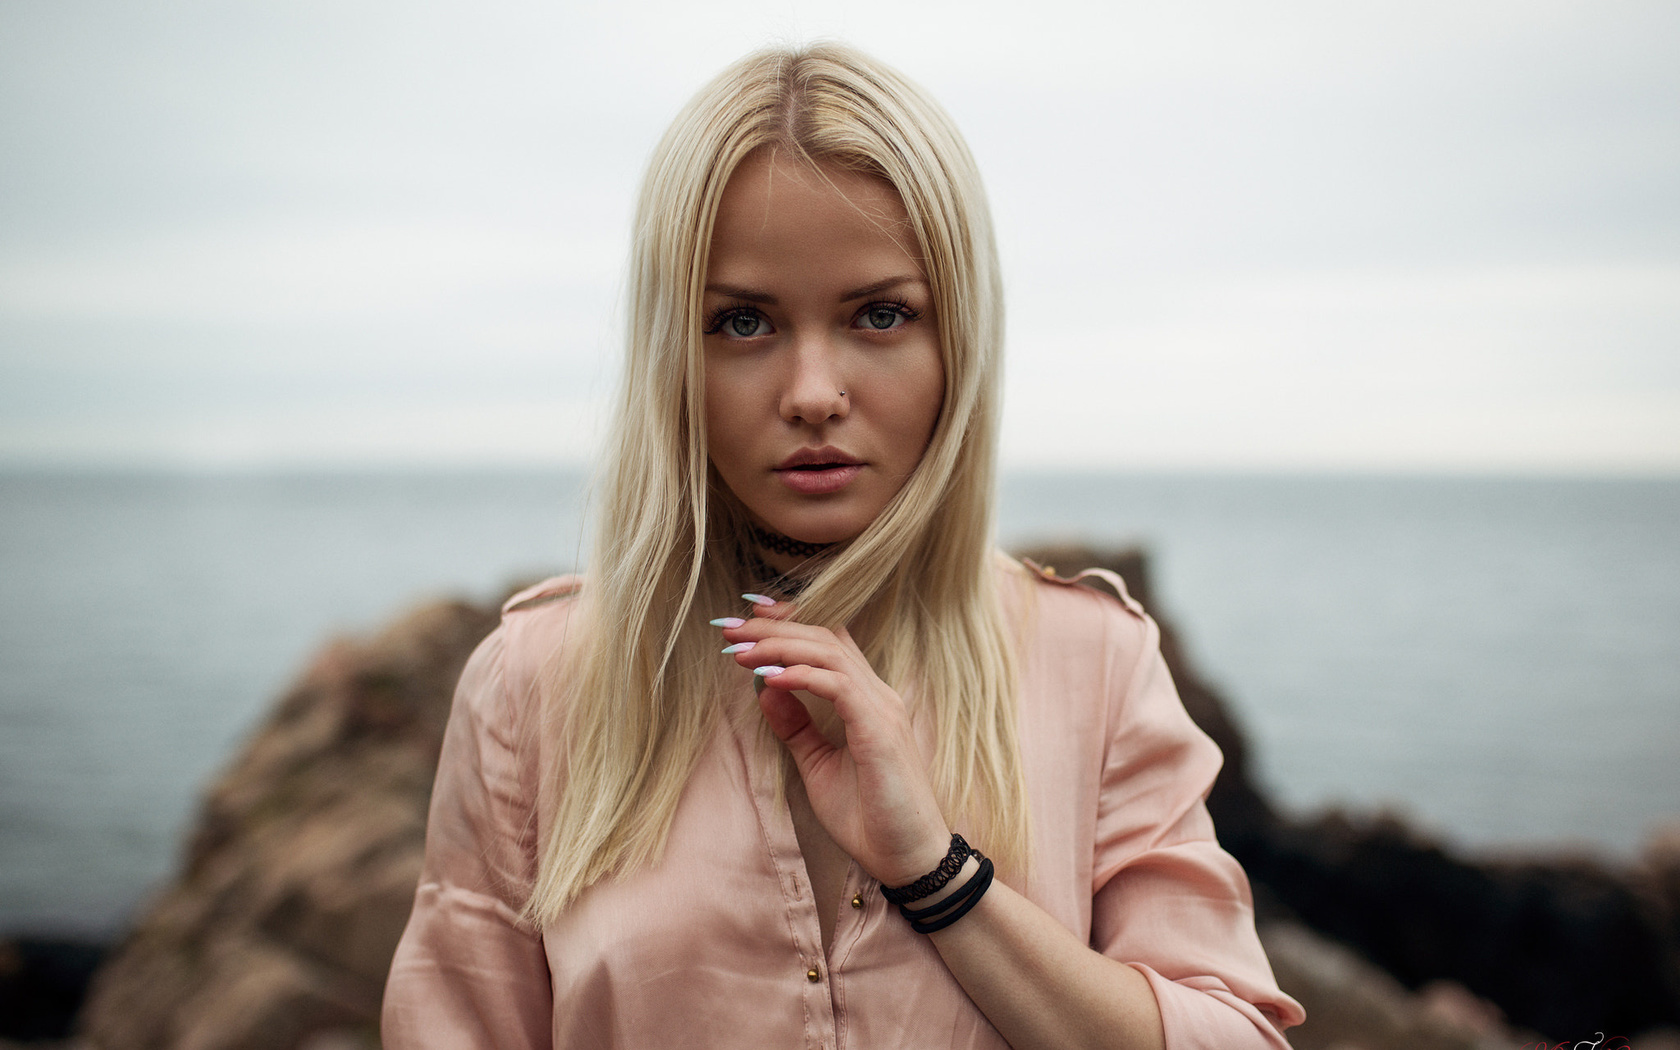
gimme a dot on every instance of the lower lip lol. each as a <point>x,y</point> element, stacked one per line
<point>819,482</point>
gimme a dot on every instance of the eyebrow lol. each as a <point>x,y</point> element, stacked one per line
<point>753,296</point>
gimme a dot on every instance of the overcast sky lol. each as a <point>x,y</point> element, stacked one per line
<point>1422,235</point>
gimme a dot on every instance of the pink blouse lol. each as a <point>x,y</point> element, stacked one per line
<point>718,945</point>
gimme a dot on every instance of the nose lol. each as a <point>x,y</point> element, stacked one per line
<point>815,391</point>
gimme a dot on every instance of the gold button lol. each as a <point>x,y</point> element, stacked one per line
<point>857,900</point>
<point>812,975</point>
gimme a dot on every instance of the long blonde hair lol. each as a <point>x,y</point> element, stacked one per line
<point>636,698</point>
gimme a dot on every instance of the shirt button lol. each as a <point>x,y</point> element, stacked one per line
<point>857,900</point>
<point>812,975</point>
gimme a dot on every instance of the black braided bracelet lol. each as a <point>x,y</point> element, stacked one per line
<point>936,917</point>
<point>933,881</point>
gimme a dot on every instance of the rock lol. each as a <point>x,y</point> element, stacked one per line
<point>1563,946</point>
<point>300,872</point>
<point>1658,873</point>
<point>1351,1003</point>
<point>42,982</point>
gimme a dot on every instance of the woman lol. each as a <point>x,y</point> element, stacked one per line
<point>627,848</point>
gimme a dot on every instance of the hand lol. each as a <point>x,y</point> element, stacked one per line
<point>872,795</point>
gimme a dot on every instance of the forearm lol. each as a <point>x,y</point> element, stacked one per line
<point>1038,984</point>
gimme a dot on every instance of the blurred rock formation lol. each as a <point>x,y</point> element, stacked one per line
<point>1565,946</point>
<point>299,877</point>
<point>42,981</point>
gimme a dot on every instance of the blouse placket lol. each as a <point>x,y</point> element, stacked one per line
<point>822,983</point>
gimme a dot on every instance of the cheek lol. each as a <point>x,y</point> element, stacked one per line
<point>925,396</point>
<point>719,440</point>
<point>734,424</point>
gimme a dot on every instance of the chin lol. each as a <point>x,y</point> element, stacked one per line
<point>820,535</point>
<point>817,528</point>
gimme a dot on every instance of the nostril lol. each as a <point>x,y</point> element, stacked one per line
<point>814,403</point>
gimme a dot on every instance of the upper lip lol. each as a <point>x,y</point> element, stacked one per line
<point>827,456</point>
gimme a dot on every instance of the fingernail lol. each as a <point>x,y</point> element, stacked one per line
<point>759,599</point>
<point>739,647</point>
<point>768,671</point>
<point>729,621</point>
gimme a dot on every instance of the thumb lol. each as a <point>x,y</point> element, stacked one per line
<point>792,725</point>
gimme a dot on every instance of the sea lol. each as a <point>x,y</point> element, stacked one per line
<point>1496,659</point>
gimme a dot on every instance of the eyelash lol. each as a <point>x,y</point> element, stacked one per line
<point>719,317</point>
<point>904,309</point>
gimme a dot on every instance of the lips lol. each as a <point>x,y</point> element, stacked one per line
<point>827,456</point>
<point>818,471</point>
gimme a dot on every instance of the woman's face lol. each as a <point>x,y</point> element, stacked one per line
<point>823,372</point>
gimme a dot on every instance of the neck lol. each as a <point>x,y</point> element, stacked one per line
<point>782,564</point>
<point>775,560</point>
<point>776,578</point>
<point>783,552</point>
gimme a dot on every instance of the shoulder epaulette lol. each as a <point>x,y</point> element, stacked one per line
<point>550,590</point>
<point>1048,574</point>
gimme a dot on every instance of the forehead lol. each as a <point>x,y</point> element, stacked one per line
<point>776,207</point>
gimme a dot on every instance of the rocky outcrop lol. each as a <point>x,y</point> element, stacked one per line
<point>1351,1003</point>
<point>1564,946</point>
<point>278,931</point>
<point>301,870</point>
<point>42,981</point>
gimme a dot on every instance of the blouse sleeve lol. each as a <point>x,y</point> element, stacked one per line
<point>468,973</point>
<point>1166,898</point>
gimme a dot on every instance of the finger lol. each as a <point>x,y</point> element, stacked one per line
<point>818,681</point>
<point>765,607</point>
<point>785,652</point>
<point>786,715</point>
<point>792,724</point>
<point>759,628</point>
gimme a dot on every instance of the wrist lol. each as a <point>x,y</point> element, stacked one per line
<point>970,866</point>
<point>928,872</point>
<point>951,902</point>
<point>924,862</point>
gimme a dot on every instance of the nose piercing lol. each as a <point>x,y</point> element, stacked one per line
<point>842,393</point>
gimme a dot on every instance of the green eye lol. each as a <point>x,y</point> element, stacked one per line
<point>885,316</point>
<point>738,322</point>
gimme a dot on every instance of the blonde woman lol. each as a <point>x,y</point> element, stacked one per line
<point>637,841</point>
